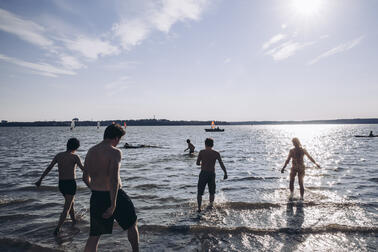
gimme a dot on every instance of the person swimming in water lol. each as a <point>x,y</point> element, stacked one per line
<point>129,146</point>
<point>190,147</point>
<point>67,163</point>
<point>298,167</point>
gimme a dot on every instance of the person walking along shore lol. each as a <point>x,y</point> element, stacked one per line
<point>108,201</point>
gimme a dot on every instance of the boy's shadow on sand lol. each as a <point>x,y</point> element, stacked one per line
<point>294,221</point>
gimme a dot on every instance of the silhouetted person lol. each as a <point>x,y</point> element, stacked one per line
<point>207,158</point>
<point>108,201</point>
<point>190,147</point>
<point>298,167</point>
<point>371,134</point>
<point>67,162</point>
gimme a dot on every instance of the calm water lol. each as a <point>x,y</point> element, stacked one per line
<point>252,211</point>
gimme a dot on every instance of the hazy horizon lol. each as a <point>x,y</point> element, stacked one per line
<point>188,60</point>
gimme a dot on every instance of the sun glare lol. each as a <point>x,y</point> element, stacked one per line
<point>307,7</point>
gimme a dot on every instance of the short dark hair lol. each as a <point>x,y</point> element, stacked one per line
<point>188,140</point>
<point>114,131</point>
<point>73,144</point>
<point>209,142</point>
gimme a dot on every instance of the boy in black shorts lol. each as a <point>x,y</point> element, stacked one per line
<point>67,162</point>
<point>207,158</point>
<point>108,201</point>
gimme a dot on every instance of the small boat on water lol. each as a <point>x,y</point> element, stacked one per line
<point>213,128</point>
<point>217,129</point>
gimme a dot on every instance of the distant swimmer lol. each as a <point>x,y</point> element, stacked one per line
<point>190,147</point>
<point>67,162</point>
<point>371,134</point>
<point>108,201</point>
<point>298,167</point>
<point>129,146</point>
<point>207,158</point>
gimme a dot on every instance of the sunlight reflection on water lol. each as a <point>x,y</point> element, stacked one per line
<point>251,211</point>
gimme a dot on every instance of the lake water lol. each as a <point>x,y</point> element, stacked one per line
<point>252,211</point>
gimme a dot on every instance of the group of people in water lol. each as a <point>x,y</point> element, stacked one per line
<point>101,174</point>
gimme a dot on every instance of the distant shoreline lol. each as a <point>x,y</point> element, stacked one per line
<point>164,122</point>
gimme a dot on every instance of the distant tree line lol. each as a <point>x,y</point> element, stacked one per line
<point>164,122</point>
<point>141,122</point>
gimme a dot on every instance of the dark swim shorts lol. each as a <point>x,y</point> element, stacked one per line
<point>206,177</point>
<point>67,186</point>
<point>124,212</point>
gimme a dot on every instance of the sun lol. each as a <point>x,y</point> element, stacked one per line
<point>307,7</point>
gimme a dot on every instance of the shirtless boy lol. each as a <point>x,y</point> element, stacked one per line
<point>190,147</point>
<point>207,158</point>
<point>108,201</point>
<point>298,167</point>
<point>67,162</point>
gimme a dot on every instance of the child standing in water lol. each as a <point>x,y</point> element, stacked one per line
<point>67,162</point>
<point>298,167</point>
<point>206,159</point>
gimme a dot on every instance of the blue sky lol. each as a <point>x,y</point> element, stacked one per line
<point>188,59</point>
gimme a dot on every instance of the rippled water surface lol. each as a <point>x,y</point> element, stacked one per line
<point>252,211</point>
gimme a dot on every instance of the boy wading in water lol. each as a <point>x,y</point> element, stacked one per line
<point>298,167</point>
<point>207,158</point>
<point>67,162</point>
<point>108,201</point>
<point>190,147</point>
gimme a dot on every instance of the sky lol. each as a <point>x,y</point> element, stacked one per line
<point>224,60</point>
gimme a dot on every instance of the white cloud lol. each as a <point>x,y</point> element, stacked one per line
<point>70,62</point>
<point>159,16</point>
<point>287,49</point>
<point>91,48</point>
<point>68,44</point>
<point>131,33</point>
<point>39,68</point>
<point>273,40</point>
<point>338,49</point>
<point>173,11</point>
<point>24,29</point>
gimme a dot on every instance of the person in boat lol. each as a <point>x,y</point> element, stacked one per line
<point>298,168</point>
<point>108,201</point>
<point>371,134</point>
<point>206,159</point>
<point>67,162</point>
<point>190,147</point>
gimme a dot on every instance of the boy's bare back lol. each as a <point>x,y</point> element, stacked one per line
<point>67,163</point>
<point>101,161</point>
